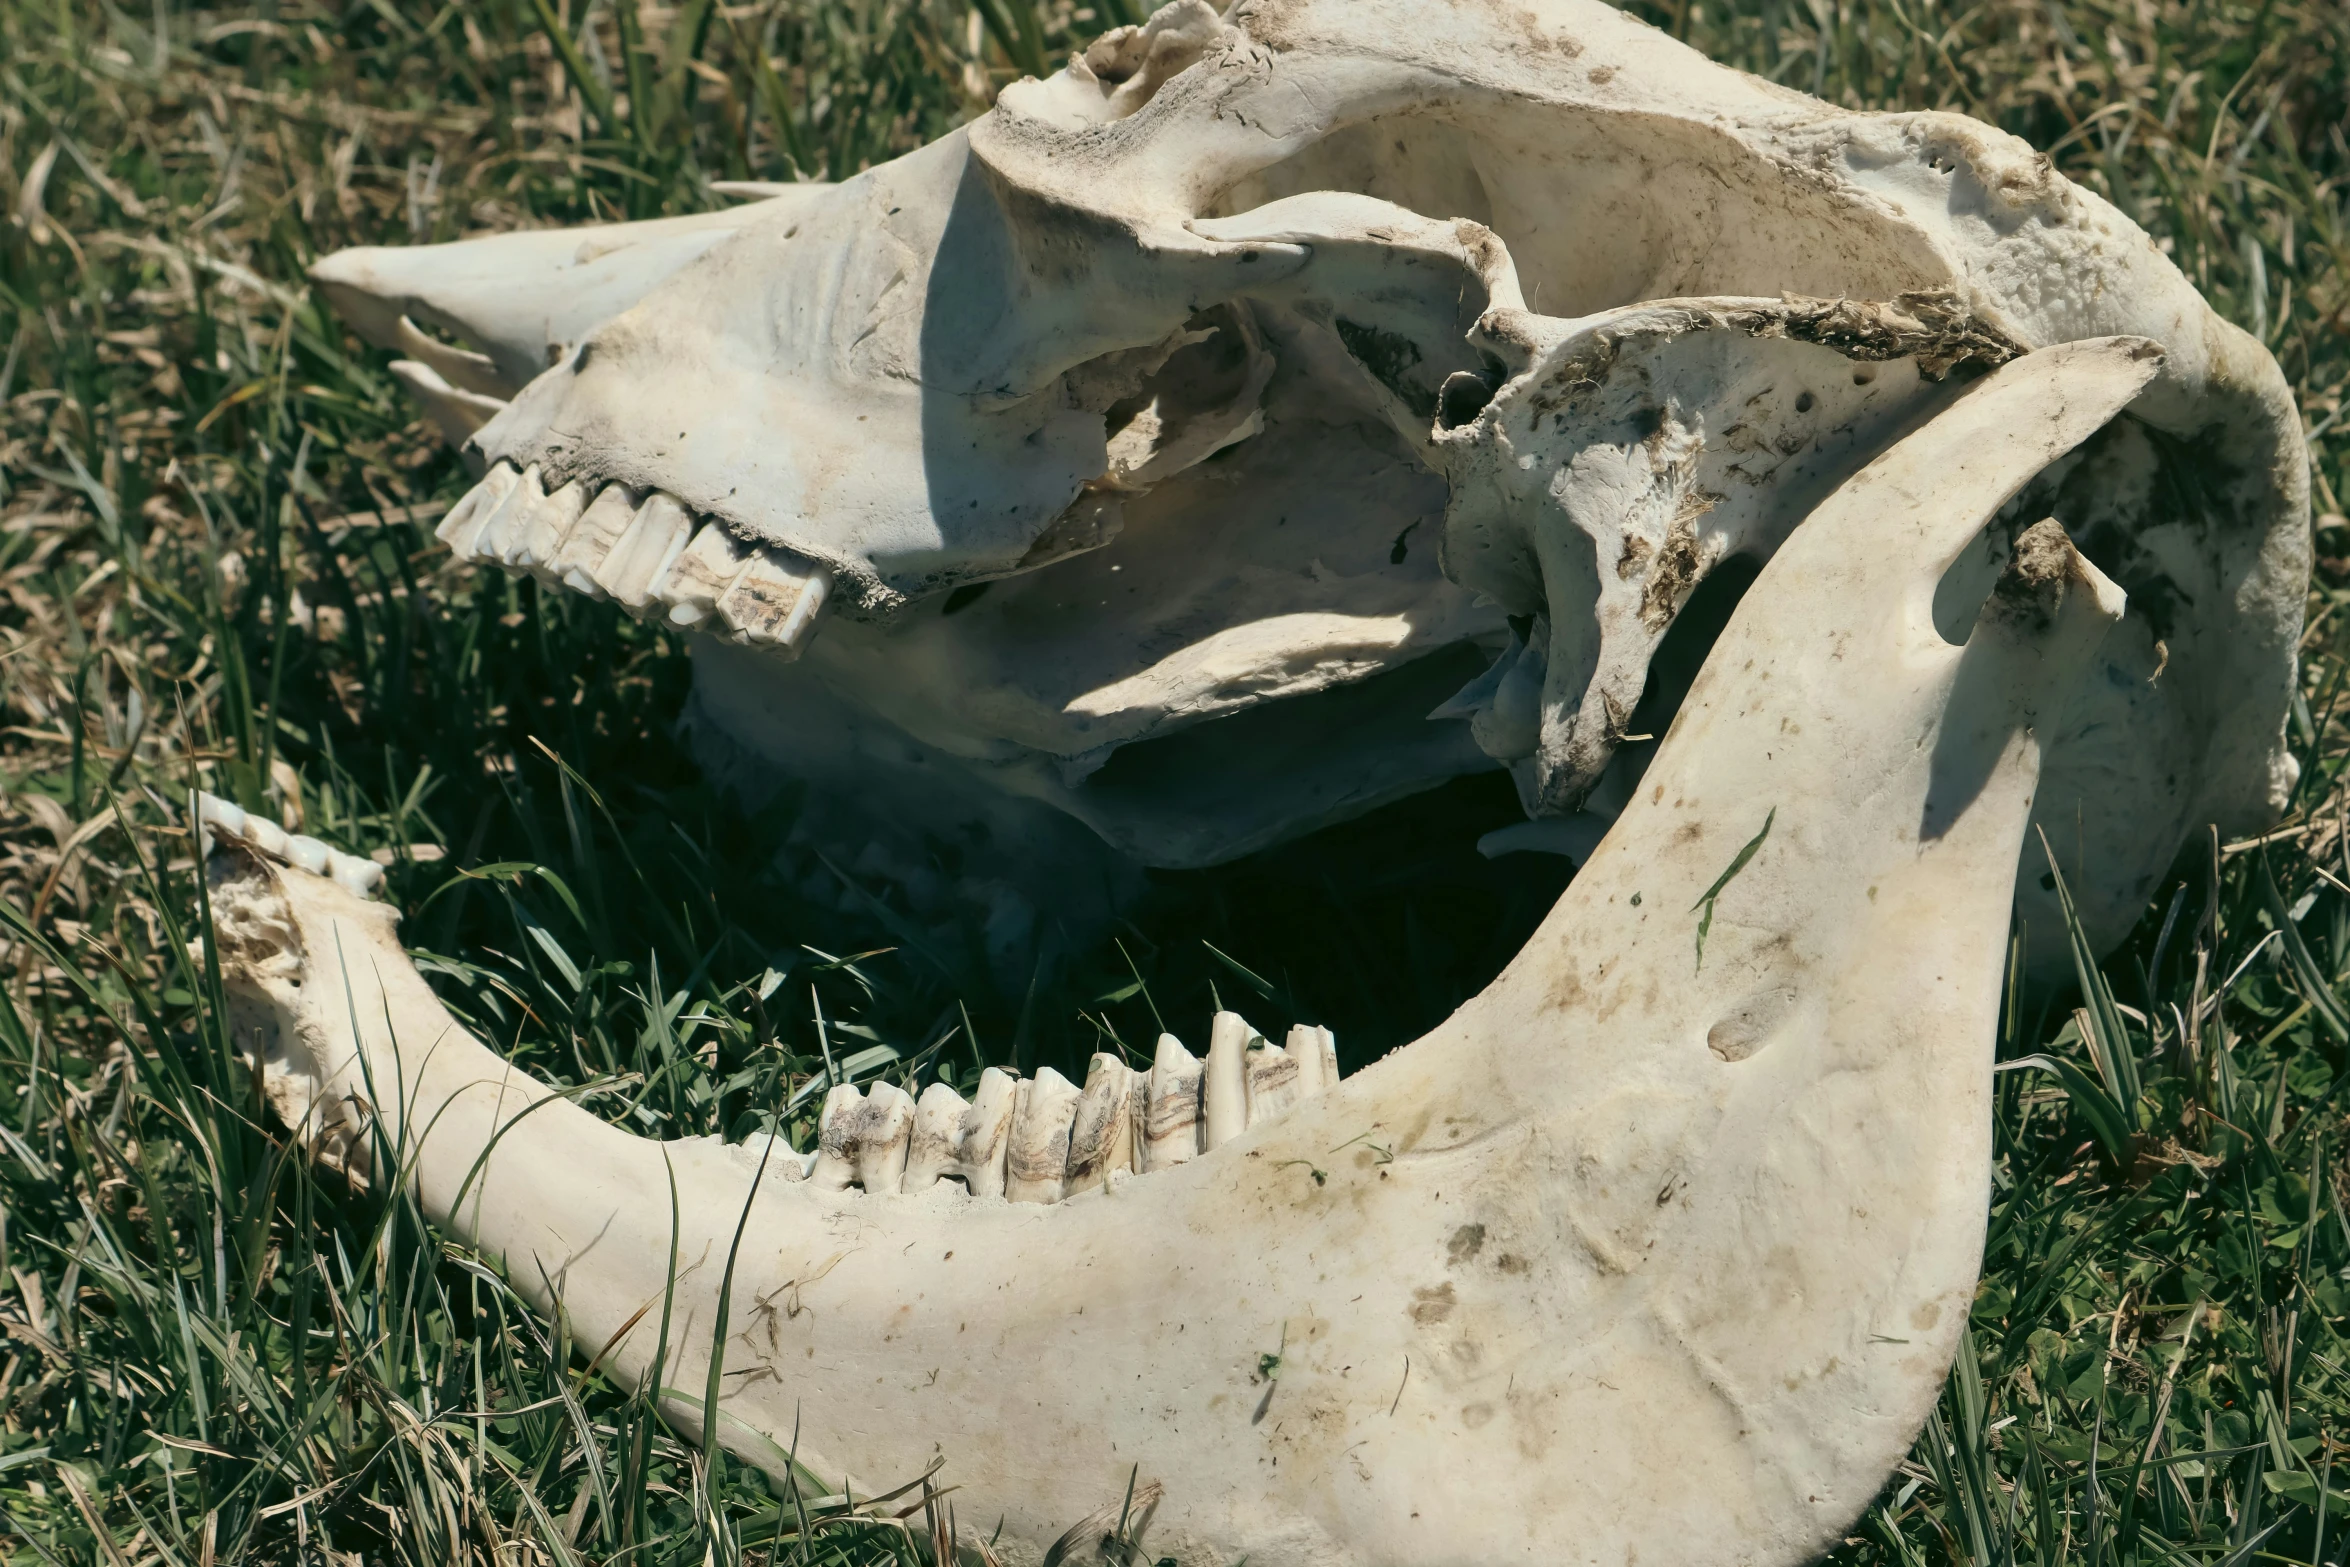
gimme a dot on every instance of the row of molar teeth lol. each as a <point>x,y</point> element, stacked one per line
<point>1041,1139</point>
<point>216,818</point>
<point>647,553</point>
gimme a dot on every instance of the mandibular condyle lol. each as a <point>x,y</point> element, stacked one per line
<point>1278,357</point>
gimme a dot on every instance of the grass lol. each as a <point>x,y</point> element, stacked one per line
<point>215,543</point>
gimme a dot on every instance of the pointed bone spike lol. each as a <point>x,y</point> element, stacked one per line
<point>710,565</point>
<point>642,556</point>
<point>881,1142</point>
<point>775,602</point>
<point>580,558</point>
<point>1272,1081</point>
<point>1304,1046</point>
<point>1101,1139</point>
<point>1038,1168</point>
<point>463,524</point>
<point>462,369</point>
<point>837,1130</point>
<point>983,1142</point>
<point>930,1151</point>
<point>456,412</point>
<point>1171,1128</point>
<point>1224,1100</point>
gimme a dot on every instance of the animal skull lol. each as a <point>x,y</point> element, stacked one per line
<point>1098,460</point>
<point>1697,1187</point>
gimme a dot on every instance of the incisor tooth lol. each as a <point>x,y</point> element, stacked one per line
<point>463,523</point>
<point>837,1126</point>
<point>1224,1099</point>
<point>885,1126</point>
<point>1272,1082</point>
<point>1171,1128</point>
<point>983,1143</point>
<point>701,575</point>
<point>1101,1139</point>
<point>930,1151</point>
<point>581,556</point>
<point>775,602</point>
<point>1038,1168</point>
<point>645,551</point>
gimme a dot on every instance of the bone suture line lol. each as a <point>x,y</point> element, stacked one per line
<point>1033,1140</point>
<point>649,553</point>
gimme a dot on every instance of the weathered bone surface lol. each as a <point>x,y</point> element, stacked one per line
<point>1127,427</point>
<point>1697,1187</point>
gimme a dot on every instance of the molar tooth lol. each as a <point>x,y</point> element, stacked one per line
<point>307,854</point>
<point>930,1151</point>
<point>1272,1082</point>
<point>983,1141</point>
<point>533,539</point>
<point>1225,1097</point>
<point>463,524</point>
<point>775,602</point>
<point>582,554</point>
<point>884,1130</point>
<point>842,1118</point>
<point>1171,1129</point>
<point>1305,1048</point>
<point>644,552</point>
<point>358,877</point>
<point>1101,1139</point>
<point>506,522</point>
<point>216,814</point>
<point>1038,1168</point>
<point>1329,1048</point>
<point>266,835</point>
<point>701,576</point>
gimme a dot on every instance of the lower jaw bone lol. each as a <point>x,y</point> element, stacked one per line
<point>1697,1187</point>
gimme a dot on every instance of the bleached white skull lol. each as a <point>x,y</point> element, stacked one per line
<point>1161,449</point>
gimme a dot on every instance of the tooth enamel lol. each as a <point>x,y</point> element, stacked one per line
<point>838,1127</point>
<point>1101,1139</point>
<point>1271,1080</point>
<point>534,539</point>
<point>463,524</point>
<point>930,1149</point>
<point>983,1142</point>
<point>1224,1098</point>
<point>1171,1127</point>
<point>887,1124</point>
<point>507,521</point>
<point>214,812</point>
<point>638,561</point>
<point>1305,1047</point>
<point>700,578</point>
<point>579,559</point>
<point>775,602</point>
<point>1037,1170</point>
<point>266,835</point>
<point>362,878</point>
<point>307,854</point>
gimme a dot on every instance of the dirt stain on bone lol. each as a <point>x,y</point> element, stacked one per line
<point>1431,1306</point>
<point>1466,1242</point>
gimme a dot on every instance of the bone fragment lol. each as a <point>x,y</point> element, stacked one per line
<point>1101,1139</point>
<point>701,576</point>
<point>579,560</point>
<point>930,1150</point>
<point>983,1142</point>
<point>641,558</point>
<point>838,1127</point>
<point>1224,1099</point>
<point>1271,1077</point>
<point>1038,1167</point>
<point>888,1123</point>
<point>463,524</point>
<point>1171,1126</point>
